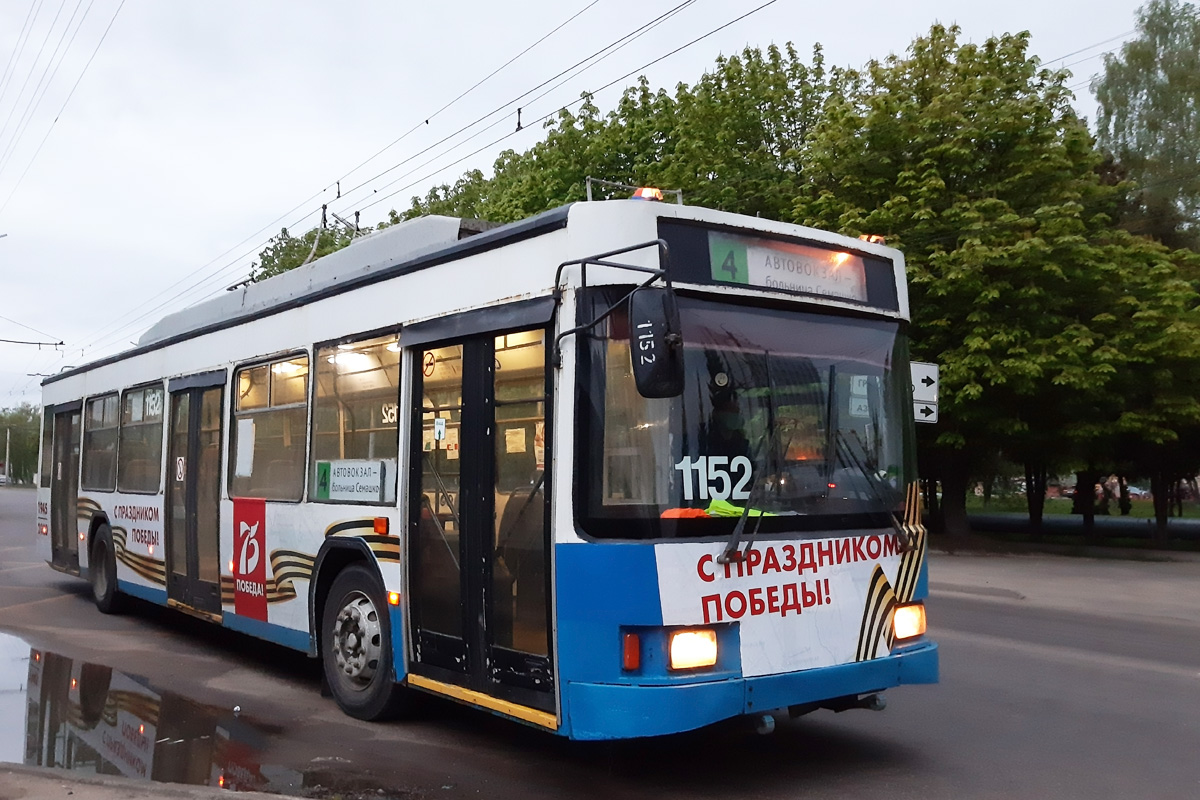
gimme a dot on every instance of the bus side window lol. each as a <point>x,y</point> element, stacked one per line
<point>356,420</point>
<point>100,444</point>
<point>139,457</point>
<point>270,430</point>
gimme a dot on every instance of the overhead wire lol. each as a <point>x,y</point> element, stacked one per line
<point>130,323</point>
<point>463,94</point>
<point>634,33</point>
<point>22,37</point>
<point>546,116</point>
<point>108,332</point>
<point>27,327</point>
<point>32,69</point>
<point>43,84</point>
<point>588,64</point>
<point>63,107</point>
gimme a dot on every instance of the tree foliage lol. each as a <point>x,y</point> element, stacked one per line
<point>733,141</point>
<point>286,252</point>
<point>1149,119</point>
<point>23,423</point>
<point>971,160</point>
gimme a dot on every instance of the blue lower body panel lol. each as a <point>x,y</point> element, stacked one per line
<point>613,711</point>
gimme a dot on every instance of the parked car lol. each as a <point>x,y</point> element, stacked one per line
<point>1137,491</point>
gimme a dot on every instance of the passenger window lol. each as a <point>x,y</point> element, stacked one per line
<point>139,460</point>
<point>355,428</point>
<point>100,444</point>
<point>269,431</point>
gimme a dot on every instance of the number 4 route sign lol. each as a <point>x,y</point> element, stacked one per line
<point>925,391</point>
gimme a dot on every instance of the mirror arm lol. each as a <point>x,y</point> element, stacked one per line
<point>658,273</point>
<point>601,260</point>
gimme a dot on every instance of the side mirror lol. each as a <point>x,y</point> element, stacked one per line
<point>655,343</point>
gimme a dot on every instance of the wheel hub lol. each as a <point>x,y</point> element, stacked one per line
<point>356,639</point>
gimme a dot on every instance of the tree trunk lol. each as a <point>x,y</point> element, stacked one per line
<point>1035,495</point>
<point>954,494</point>
<point>933,511</point>
<point>1085,502</point>
<point>1162,506</point>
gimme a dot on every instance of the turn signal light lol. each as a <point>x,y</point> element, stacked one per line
<point>631,652</point>
<point>909,620</point>
<point>381,526</point>
<point>694,648</point>
<point>393,598</point>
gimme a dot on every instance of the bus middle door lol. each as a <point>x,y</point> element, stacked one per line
<point>478,555</point>
<point>194,493</point>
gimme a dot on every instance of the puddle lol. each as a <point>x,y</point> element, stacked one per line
<point>92,719</point>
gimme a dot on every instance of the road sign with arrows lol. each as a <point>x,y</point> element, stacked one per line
<point>925,391</point>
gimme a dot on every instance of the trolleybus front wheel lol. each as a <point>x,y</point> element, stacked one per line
<point>356,647</point>
<point>102,570</point>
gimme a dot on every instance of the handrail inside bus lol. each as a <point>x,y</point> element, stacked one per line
<point>601,260</point>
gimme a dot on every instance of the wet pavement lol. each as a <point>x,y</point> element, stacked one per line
<point>91,720</point>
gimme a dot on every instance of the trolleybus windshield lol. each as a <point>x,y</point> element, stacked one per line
<point>800,417</point>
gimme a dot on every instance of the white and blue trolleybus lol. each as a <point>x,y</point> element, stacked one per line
<point>621,469</point>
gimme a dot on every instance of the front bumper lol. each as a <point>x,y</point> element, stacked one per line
<point>613,711</point>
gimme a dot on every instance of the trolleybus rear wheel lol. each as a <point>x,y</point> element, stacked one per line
<point>102,570</point>
<point>356,647</point>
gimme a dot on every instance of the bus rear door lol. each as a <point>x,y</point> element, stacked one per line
<point>64,489</point>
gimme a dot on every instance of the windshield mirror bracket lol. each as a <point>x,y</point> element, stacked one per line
<point>602,260</point>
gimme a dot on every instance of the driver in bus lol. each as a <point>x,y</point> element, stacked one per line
<point>727,428</point>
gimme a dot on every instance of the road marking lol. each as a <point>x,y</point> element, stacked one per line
<point>1052,652</point>
<point>35,565</point>
<point>35,602</point>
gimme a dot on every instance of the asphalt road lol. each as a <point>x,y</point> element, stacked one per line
<point>1060,678</point>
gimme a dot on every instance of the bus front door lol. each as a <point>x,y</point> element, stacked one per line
<point>193,499</point>
<point>64,491</point>
<point>479,565</point>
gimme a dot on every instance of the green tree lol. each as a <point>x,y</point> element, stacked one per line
<point>733,141</point>
<point>1149,119</point>
<point>286,252</point>
<point>970,159</point>
<point>23,424</point>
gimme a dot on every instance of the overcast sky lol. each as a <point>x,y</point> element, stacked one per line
<point>201,128</point>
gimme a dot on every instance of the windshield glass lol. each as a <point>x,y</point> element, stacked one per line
<point>800,416</point>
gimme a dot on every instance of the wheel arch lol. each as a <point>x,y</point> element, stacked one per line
<point>336,554</point>
<point>98,518</point>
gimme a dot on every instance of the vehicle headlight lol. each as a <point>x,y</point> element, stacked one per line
<point>693,648</point>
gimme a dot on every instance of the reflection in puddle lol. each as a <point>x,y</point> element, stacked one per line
<point>93,719</point>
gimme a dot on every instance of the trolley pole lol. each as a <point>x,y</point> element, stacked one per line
<point>7,442</point>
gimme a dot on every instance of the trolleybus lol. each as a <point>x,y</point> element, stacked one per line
<point>621,469</point>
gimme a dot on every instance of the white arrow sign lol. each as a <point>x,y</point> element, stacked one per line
<point>925,412</point>
<point>924,382</point>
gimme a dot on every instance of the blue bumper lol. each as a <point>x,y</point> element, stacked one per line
<point>613,711</point>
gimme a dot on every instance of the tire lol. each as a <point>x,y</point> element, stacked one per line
<point>356,647</point>
<point>94,683</point>
<point>102,572</point>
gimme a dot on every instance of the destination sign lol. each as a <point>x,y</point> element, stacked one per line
<point>786,266</point>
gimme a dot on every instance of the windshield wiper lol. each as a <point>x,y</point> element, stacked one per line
<point>731,548</point>
<point>884,494</point>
